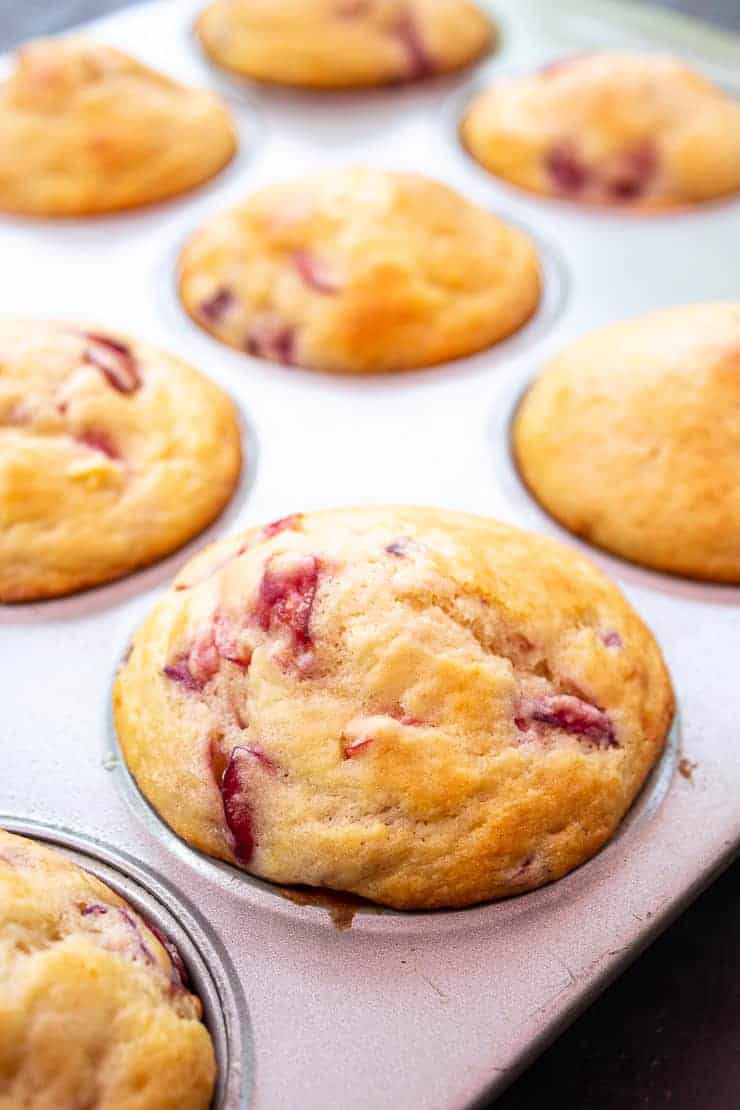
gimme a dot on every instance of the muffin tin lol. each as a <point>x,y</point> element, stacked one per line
<point>426,1009</point>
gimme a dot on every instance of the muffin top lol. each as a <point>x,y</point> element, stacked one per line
<point>639,131</point>
<point>631,438</point>
<point>112,454</point>
<point>85,129</point>
<point>423,707</point>
<point>343,43</point>
<point>358,271</point>
<point>94,1004</point>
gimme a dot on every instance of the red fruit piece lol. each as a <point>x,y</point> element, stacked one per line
<point>420,61</point>
<point>349,751</point>
<point>612,640</point>
<point>115,361</point>
<point>566,169</point>
<point>268,338</point>
<point>215,308</point>
<point>314,272</point>
<point>195,668</point>
<point>571,714</point>
<point>635,173</point>
<point>285,524</point>
<point>398,547</point>
<point>93,908</point>
<point>235,788</point>
<point>99,441</point>
<point>286,598</point>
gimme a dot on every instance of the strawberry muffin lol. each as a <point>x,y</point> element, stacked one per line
<point>636,131</point>
<point>85,129</point>
<point>94,1002</point>
<point>631,439</point>
<point>359,271</point>
<point>422,707</point>
<point>112,454</point>
<point>334,44</point>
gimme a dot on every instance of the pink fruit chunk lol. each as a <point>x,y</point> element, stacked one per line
<point>235,789</point>
<point>420,62</point>
<point>350,751</point>
<point>612,640</point>
<point>290,523</point>
<point>315,272</point>
<point>93,909</point>
<point>286,599</point>
<point>115,361</point>
<point>566,169</point>
<point>635,173</point>
<point>99,441</point>
<point>215,308</point>
<point>571,714</point>
<point>271,339</point>
<point>193,669</point>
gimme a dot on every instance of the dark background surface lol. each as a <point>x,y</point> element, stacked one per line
<point>667,1034</point>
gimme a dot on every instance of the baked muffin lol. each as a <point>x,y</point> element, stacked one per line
<point>426,708</point>
<point>112,454</point>
<point>85,129</point>
<point>358,271</point>
<point>94,1004</point>
<point>639,131</point>
<point>343,43</point>
<point>631,439</point>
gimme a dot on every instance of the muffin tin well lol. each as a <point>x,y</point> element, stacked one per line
<point>211,973</point>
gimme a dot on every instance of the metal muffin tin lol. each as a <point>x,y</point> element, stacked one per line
<point>210,971</point>
<point>430,1010</point>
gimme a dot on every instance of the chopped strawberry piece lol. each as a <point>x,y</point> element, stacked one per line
<point>271,339</point>
<point>215,308</point>
<point>235,784</point>
<point>285,601</point>
<point>99,441</point>
<point>315,273</point>
<point>349,751</point>
<point>115,361</point>
<point>566,169</point>
<point>285,524</point>
<point>612,640</point>
<point>420,62</point>
<point>571,714</point>
<point>635,173</point>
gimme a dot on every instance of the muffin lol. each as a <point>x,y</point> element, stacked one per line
<point>637,131</point>
<point>112,454</point>
<point>94,1002</point>
<point>631,439</point>
<point>85,129</point>
<point>359,271</point>
<point>426,708</point>
<point>343,43</point>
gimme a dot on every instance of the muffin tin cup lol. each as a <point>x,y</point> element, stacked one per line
<point>212,975</point>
